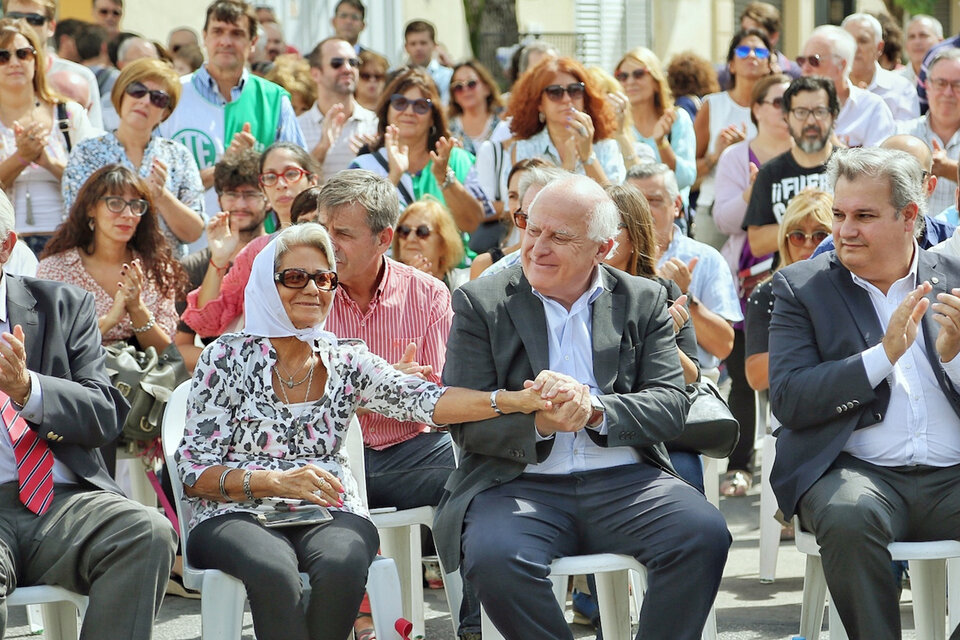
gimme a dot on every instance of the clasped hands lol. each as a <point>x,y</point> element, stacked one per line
<point>905,321</point>
<point>570,405</point>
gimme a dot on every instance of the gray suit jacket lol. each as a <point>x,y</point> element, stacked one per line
<point>822,321</point>
<point>499,339</point>
<point>81,409</point>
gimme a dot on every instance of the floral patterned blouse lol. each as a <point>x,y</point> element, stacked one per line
<point>183,177</point>
<point>67,266</point>
<point>235,418</point>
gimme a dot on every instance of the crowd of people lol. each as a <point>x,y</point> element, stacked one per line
<point>511,288</point>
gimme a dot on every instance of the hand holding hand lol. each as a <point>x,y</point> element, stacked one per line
<point>242,140</point>
<point>903,325</point>
<point>947,315</point>
<point>553,386</point>
<point>410,366</point>
<point>310,483</point>
<point>571,416</point>
<point>14,379</point>
<point>678,271</point>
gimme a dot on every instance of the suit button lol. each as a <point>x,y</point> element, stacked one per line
<point>520,453</point>
<point>856,403</point>
<point>51,435</point>
<point>878,416</point>
<point>839,409</point>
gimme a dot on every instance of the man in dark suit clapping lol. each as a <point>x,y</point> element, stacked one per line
<point>864,378</point>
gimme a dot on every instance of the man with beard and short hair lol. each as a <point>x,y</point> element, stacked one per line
<point>336,117</point>
<point>242,206</point>
<point>810,106</point>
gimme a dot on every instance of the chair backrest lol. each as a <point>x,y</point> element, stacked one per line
<point>174,422</point>
<point>354,451</point>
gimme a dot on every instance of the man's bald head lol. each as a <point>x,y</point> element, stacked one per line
<point>912,145</point>
<point>585,196</point>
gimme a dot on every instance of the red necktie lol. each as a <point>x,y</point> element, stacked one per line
<point>34,459</point>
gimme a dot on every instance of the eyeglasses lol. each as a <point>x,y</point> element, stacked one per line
<point>116,204</point>
<point>298,279</point>
<point>23,53</point>
<point>574,90</point>
<point>422,231</point>
<point>941,85</point>
<point>421,106</point>
<point>813,61</point>
<point>349,15</point>
<point>33,19</point>
<point>236,196</point>
<point>802,113</point>
<point>116,13</point>
<point>520,220</point>
<point>776,103</point>
<point>365,75</point>
<point>290,175</point>
<point>159,99</point>
<point>336,63</point>
<point>743,51</point>
<point>457,87</point>
<point>636,74</point>
<point>799,238</point>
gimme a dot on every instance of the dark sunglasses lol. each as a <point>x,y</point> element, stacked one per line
<point>457,87</point>
<point>336,63</point>
<point>159,99</point>
<point>799,238</point>
<point>574,90</point>
<point>116,13</point>
<point>33,19</point>
<point>116,204</point>
<point>298,279</point>
<point>365,75</point>
<point>743,51</point>
<point>23,53</point>
<point>636,74</point>
<point>421,106</point>
<point>777,102</point>
<point>813,61</point>
<point>422,231</point>
<point>290,175</point>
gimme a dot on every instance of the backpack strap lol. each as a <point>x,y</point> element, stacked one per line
<point>63,122</point>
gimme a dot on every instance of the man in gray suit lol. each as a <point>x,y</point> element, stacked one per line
<point>864,378</point>
<point>63,521</point>
<point>589,476</point>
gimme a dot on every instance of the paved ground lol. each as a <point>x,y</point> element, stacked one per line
<point>746,609</point>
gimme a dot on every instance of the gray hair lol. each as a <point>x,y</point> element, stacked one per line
<point>603,219</point>
<point>897,168</point>
<point>869,20</point>
<point>538,177</point>
<point>8,220</point>
<point>947,53</point>
<point>376,195</point>
<point>539,46</point>
<point>842,44</point>
<point>653,170</point>
<point>931,21</point>
<point>306,234</point>
<point>129,44</point>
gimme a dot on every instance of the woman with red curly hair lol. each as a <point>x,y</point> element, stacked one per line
<point>561,115</point>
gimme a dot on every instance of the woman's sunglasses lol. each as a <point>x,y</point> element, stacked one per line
<point>813,61</point>
<point>457,87</point>
<point>23,53</point>
<point>290,175</point>
<point>421,106</point>
<point>159,99</point>
<point>366,75</point>
<point>298,279</point>
<point>743,51</point>
<point>776,103</point>
<point>799,238</point>
<point>422,231</point>
<point>636,74</point>
<point>574,90</point>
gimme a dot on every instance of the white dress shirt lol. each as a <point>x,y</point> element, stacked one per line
<point>920,426</point>
<point>864,119</point>
<point>31,412</point>
<point>570,346</point>
<point>899,95</point>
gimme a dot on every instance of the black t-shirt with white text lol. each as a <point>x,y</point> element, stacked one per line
<point>777,182</point>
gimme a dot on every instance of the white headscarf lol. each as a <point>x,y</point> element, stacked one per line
<point>263,309</point>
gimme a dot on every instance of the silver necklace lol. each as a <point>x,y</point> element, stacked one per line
<point>289,381</point>
<point>309,384</point>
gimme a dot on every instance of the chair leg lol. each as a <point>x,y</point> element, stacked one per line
<point>487,630</point>
<point>814,595</point>
<point>403,545</point>
<point>35,618</point>
<point>834,624</point>
<point>710,627</point>
<point>769,527</point>
<point>60,621</point>
<point>953,592</point>
<point>383,587</point>
<point>711,480</point>
<point>928,579</point>
<point>221,606</point>
<point>638,587</point>
<point>453,589</point>
<point>613,598</point>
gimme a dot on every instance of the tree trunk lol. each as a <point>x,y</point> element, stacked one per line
<point>492,24</point>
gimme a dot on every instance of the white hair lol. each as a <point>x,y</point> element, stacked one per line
<point>603,218</point>
<point>842,44</point>
<point>7,219</point>
<point>932,22</point>
<point>867,19</point>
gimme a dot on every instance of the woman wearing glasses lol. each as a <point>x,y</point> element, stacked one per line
<point>145,94</point>
<point>561,115</point>
<point>111,245</point>
<point>286,170</point>
<point>416,152</point>
<point>37,130</point>
<point>373,78</point>
<point>426,238</point>
<point>267,418</point>
<point>475,104</point>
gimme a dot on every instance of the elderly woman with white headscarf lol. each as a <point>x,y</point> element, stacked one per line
<point>267,418</point>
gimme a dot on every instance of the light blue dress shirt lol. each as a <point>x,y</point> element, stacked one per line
<point>539,145</point>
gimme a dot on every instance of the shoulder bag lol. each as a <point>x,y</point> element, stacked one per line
<point>710,428</point>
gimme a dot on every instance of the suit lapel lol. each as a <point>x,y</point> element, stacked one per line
<point>22,310</point>
<point>529,321</point>
<point>607,331</point>
<point>857,301</point>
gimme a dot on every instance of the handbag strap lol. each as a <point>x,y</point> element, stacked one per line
<point>63,121</point>
<point>400,186</point>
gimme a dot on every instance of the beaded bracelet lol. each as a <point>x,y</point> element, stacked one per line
<point>220,270</point>
<point>246,486</point>
<point>223,488</point>
<point>150,323</point>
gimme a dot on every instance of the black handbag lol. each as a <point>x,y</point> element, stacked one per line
<point>146,380</point>
<point>710,428</point>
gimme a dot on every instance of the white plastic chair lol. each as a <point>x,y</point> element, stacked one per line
<point>928,583</point>
<point>222,596</point>
<point>62,610</point>
<point>770,528</point>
